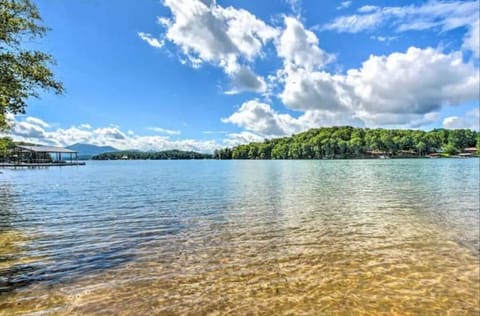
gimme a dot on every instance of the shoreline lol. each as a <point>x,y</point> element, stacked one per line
<point>33,165</point>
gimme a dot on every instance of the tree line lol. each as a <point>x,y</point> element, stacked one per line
<point>350,142</point>
<point>160,155</point>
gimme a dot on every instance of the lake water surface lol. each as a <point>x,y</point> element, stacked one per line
<point>241,237</point>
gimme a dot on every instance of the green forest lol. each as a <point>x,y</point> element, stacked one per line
<point>350,142</point>
<point>160,155</point>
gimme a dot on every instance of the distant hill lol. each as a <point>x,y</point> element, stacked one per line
<point>347,142</point>
<point>86,151</point>
<point>160,155</point>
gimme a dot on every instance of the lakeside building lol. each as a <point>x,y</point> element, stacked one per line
<point>471,150</point>
<point>468,152</point>
<point>41,156</point>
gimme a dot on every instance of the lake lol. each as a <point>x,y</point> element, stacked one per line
<point>241,237</point>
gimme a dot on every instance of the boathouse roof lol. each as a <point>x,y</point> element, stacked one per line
<point>47,149</point>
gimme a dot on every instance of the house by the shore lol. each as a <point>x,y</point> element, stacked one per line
<point>468,152</point>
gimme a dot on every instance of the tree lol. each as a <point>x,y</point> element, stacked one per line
<point>5,144</point>
<point>350,142</point>
<point>477,144</point>
<point>421,147</point>
<point>22,72</point>
<point>449,149</point>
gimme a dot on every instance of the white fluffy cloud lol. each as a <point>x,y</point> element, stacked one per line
<point>258,117</point>
<point>243,137</point>
<point>244,79</point>
<point>402,89</point>
<point>409,120</point>
<point>37,121</point>
<point>314,90</point>
<point>261,119</point>
<point>299,47</point>
<point>306,85</point>
<point>227,37</point>
<point>398,89</point>
<point>37,131</point>
<point>418,81</point>
<point>28,129</point>
<point>470,120</point>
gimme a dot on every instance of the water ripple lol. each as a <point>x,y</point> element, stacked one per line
<point>241,237</point>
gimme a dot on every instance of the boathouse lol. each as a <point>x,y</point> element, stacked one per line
<point>44,155</point>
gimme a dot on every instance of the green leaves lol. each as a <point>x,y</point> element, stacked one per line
<point>19,19</point>
<point>160,155</point>
<point>22,72</point>
<point>350,142</point>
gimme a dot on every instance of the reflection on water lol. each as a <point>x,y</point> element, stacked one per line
<point>240,237</point>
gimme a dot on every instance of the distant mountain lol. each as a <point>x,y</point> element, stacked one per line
<point>86,151</point>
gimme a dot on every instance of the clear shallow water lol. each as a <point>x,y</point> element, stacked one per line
<point>241,237</point>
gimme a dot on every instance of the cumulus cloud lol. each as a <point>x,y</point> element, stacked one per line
<point>243,137</point>
<point>112,133</point>
<point>37,131</point>
<point>244,79</point>
<point>314,90</point>
<point>68,136</point>
<point>398,89</point>
<point>470,120</point>
<point>306,86</point>
<point>37,121</point>
<point>299,47</point>
<point>418,81</point>
<point>401,89</point>
<point>28,130</point>
<point>154,42</point>
<point>228,38</point>
<point>258,117</point>
<point>410,120</point>
<point>261,119</point>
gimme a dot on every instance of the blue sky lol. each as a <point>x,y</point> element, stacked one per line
<point>203,74</point>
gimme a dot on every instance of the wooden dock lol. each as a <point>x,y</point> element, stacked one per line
<point>46,164</point>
